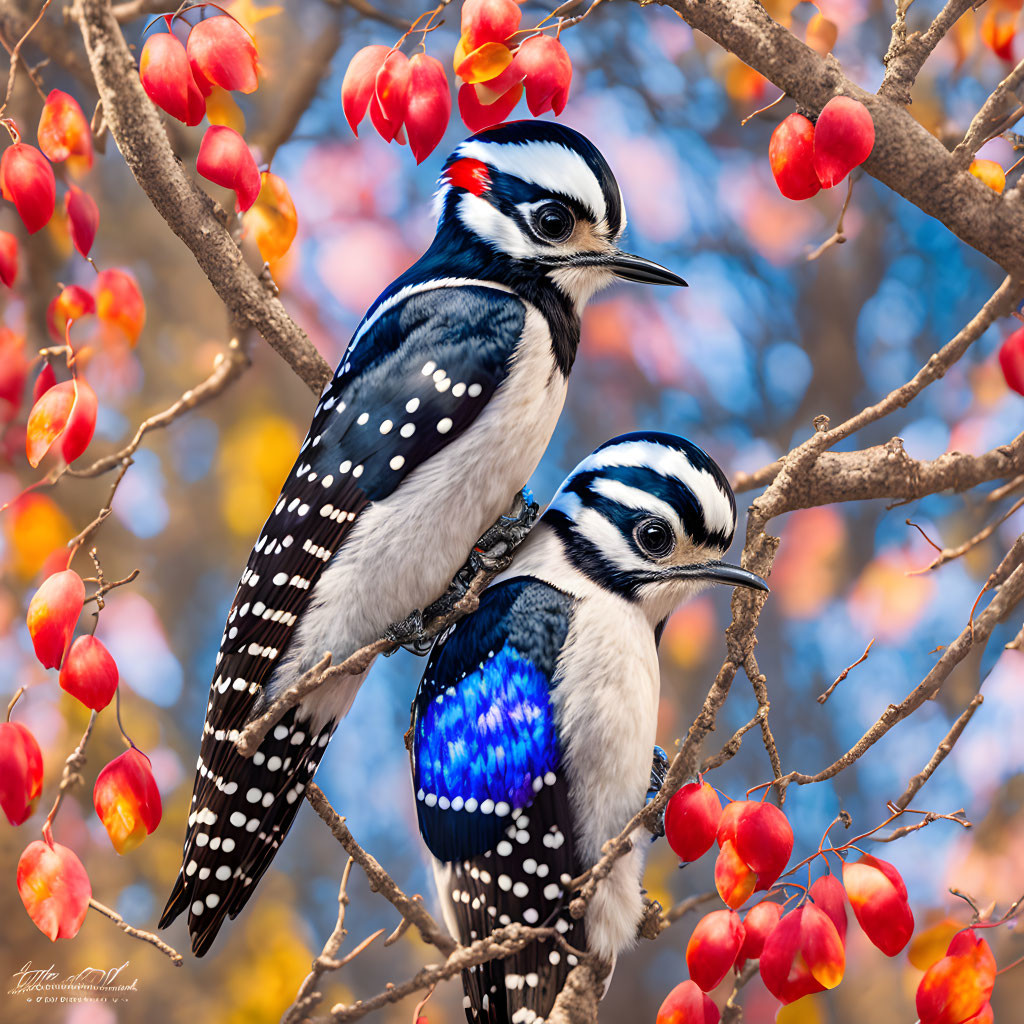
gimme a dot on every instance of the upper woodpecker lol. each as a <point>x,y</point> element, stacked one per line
<point>437,415</point>
<point>535,717</point>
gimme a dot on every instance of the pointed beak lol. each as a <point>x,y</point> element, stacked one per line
<point>636,268</point>
<point>723,572</point>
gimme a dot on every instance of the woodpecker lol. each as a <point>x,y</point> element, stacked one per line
<point>535,718</point>
<point>438,413</point>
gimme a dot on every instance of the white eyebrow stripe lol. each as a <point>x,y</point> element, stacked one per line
<point>718,513</point>
<point>635,497</point>
<point>550,165</point>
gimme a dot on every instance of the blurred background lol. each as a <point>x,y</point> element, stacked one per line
<point>740,362</point>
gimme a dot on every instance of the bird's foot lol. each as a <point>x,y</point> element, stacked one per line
<point>406,633</point>
<point>659,769</point>
<point>494,550</point>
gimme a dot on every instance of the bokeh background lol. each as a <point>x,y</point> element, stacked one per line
<point>740,362</point>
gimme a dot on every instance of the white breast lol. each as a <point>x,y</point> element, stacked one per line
<point>606,706</point>
<point>403,551</point>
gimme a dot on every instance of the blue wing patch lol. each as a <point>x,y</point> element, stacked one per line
<point>484,736</point>
<point>491,739</point>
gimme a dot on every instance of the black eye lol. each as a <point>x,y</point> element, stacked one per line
<point>655,537</point>
<point>554,222</point>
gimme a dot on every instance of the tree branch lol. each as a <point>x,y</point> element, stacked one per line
<point>189,212</point>
<point>906,156</point>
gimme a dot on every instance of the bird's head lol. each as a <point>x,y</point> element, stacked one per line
<point>649,516</point>
<point>541,195</point>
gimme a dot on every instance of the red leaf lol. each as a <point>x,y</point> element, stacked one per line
<point>802,954</point>
<point>358,84</point>
<point>226,160</point>
<point>828,895</point>
<point>8,258</point>
<point>84,218</point>
<point>66,412</point>
<point>879,900</point>
<point>791,155</point>
<point>1011,360</point>
<point>64,132</point>
<point>844,136</point>
<point>391,89</point>
<point>489,21</point>
<point>548,70</point>
<point>52,615</point>
<point>21,772</point>
<point>686,1004</point>
<point>72,303</point>
<point>759,923</point>
<point>119,303</point>
<point>713,947</point>
<point>89,673</point>
<point>429,105</point>
<point>222,52</point>
<point>691,820</point>
<point>54,888</point>
<point>167,78</point>
<point>26,179</point>
<point>46,380</point>
<point>127,800</point>
<point>479,116</point>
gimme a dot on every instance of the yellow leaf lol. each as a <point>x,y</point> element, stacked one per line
<point>484,63</point>
<point>222,109</point>
<point>804,1011</point>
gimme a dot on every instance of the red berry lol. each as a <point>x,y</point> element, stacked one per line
<point>761,835</point>
<point>167,78</point>
<point>222,53</point>
<point>8,258</point>
<point>428,107</point>
<point>127,800</point>
<point>548,71</point>
<point>358,84</point>
<point>828,895</point>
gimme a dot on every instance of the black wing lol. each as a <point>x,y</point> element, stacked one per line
<point>434,357</point>
<point>492,796</point>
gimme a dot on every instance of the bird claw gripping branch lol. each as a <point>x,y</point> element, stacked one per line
<point>492,552</point>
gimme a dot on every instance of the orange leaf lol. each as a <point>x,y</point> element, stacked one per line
<point>484,63</point>
<point>272,218</point>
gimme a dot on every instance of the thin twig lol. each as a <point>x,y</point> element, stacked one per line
<point>846,671</point>
<point>137,933</point>
<point>837,237</point>
<point>380,881</point>
<point>15,54</point>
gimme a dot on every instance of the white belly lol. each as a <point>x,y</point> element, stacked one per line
<point>607,703</point>
<point>403,551</point>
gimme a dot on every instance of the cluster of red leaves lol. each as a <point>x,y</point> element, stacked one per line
<point>800,950</point>
<point>52,882</point>
<point>179,68</point>
<point>806,157</point>
<point>409,99</point>
<point>27,179</point>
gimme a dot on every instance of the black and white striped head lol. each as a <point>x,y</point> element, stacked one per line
<point>649,516</point>
<point>542,195</point>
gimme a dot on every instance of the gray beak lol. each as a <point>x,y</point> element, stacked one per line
<point>723,572</point>
<point>636,268</point>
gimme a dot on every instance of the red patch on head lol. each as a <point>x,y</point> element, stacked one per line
<point>472,175</point>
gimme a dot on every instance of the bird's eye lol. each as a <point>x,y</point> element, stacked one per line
<point>655,537</point>
<point>554,222</point>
